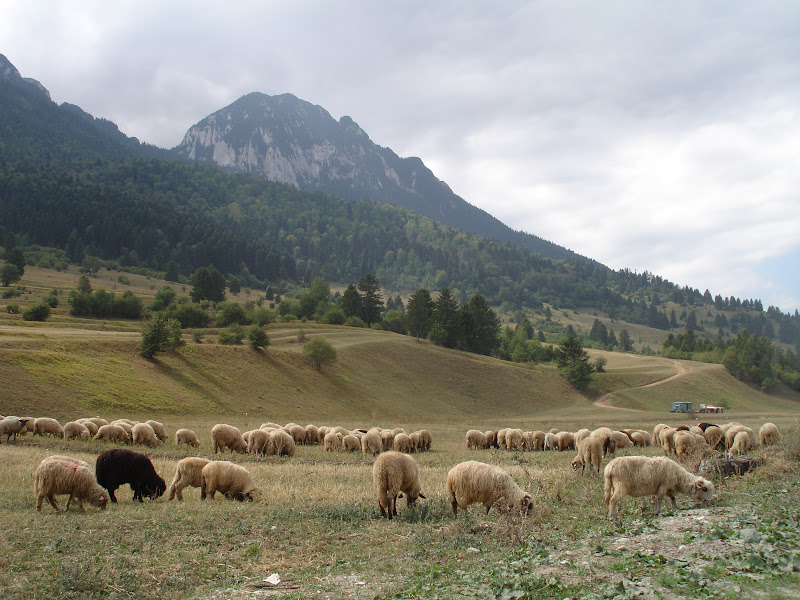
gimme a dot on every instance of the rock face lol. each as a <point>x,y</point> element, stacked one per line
<point>10,75</point>
<point>293,141</point>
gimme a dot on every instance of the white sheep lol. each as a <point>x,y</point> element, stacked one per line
<point>515,439</point>
<point>640,438</point>
<point>371,444</point>
<point>351,443</point>
<point>188,472</point>
<point>91,426</point>
<point>769,435</point>
<point>333,442</point>
<point>258,442</point>
<point>491,438</point>
<point>501,438</point>
<point>46,425</point>
<point>590,453</point>
<point>538,440</point>
<point>312,434</point>
<point>281,444</point>
<point>615,441</point>
<point>159,429</point>
<point>473,481</point>
<point>425,440</point>
<point>732,432</point>
<point>714,436</point>
<point>227,436</point>
<point>143,434</point>
<point>647,476</point>
<point>298,433</point>
<point>230,479</point>
<point>186,436</point>
<point>550,441</point>
<point>666,440</point>
<point>387,439</point>
<point>99,421</point>
<point>475,439</point>
<point>565,441</point>
<point>402,443</point>
<point>580,435</point>
<point>112,433</point>
<point>64,475</point>
<point>741,443</point>
<point>75,431</point>
<point>657,433</point>
<point>393,475</point>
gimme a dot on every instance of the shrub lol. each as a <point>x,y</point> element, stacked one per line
<point>232,335</point>
<point>37,312</point>
<point>288,318</point>
<point>189,315</point>
<point>334,316</point>
<point>262,316</point>
<point>52,298</point>
<point>12,308</point>
<point>319,351</point>
<point>160,334</point>
<point>355,322</point>
<point>229,313</point>
<point>197,336</point>
<point>257,337</point>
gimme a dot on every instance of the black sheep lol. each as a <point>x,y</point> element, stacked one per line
<point>119,466</point>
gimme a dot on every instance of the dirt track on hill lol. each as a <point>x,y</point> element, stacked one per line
<point>605,399</point>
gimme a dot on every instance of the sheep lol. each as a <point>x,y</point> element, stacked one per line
<point>371,444</point>
<point>666,440</point>
<point>696,429</point>
<point>281,444</point>
<point>491,438</point>
<point>393,475</point>
<point>231,480</point>
<point>538,440</point>
<point>657,433</point>
<point>63,475</point>
<point>258,442</point>
<point>514,439</point>
<point>580,435</point>
<point>646,476</point>
<point>714,435</point>
<point>550,441</point>
<point>475,439</point>
<point>387,438</point>
<point>333,442</point>
<point>769,434</point>
<point>227,436</point>
<point>731,433</point>
<point>186,436</point>
<point>590,452</point>
<point>128,427</point>
<point>312,434</point>
<point>159,429</point>
<point>298,433</point>
<point>341,430</point>
<point>684,442</point>
<point>528,442</point>
<point>565,441</point>
<point>501,438</point>
<point>12,426</point>
<point>143,434</point>
<point>402,443</point>
<point>46,425</point>
<point>188,472</point>
<point>555,430</point>
<point>615,441</point>
<point>472,481</point>
<point>640,439</point>
<point>29,421</point>
<point>602,433</point>
<point>99,421</point>
<point>91,426</point>
<point>75,430</point>
<point>741,443</point>
<point>415,441</point>
<point>119,466</point>
<point>112,433</point>
<point>425,440</point>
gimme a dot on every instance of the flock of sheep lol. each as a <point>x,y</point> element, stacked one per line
<point>395,472</point>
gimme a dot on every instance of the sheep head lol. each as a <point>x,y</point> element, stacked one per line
<point>702,489</point>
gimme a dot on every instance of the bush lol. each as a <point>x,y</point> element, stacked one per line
<point>231,336</point>
<point>37,312</point>
<point>12,293</point>
<point>189,315</point>
<point>288,318</point>
<point>160,334</point>
<point>319,351</point>
<point>257,337</point>
<point>334,316</point>
<point>262,316</point>
<point>355,322</point>
<point>12,308</point>
<point>229,313</point>
<point>197,336</point>
<point>52,298</point>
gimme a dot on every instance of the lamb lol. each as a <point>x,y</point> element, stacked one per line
<point>371,444</point>
<point>227,436</point>
<point>565,441</point>
<point>159,429</point>
<point>769,434</point>
<point>46,425</point>
<point>231,480</point>
<point>258,442</point>
<point>472,481</point>
<point>64,475</point>
<point>550,441</point>
<point>74,430</point>
<point>112,433</point>
<point>732,432</point>
<point>741,443</point>
<point>402,443</point>
<point>645,476</point>
<point>119,466</point>
<point>186,436</point>
<point>393,475</point>
<point>188,472</point>
<point>281,444</point>
<point>590,452</point>
<point>12,426</point>
<point>143,434</point>
<point>475,439</point>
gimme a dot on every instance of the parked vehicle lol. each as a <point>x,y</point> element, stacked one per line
<point>682,407</point>
<point>708,408</point>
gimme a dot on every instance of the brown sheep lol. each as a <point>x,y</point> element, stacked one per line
<point>425,440</point>
<point>393,475</point>
<point>565,441</point>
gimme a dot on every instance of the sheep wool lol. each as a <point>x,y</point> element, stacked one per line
<point>186,436</point>
<point>371,444</point>
<point>143,434</point>
<point>64,475</point>
<point>231,480</point>
<point>75,431</point>
<point>188,472</point>
<point>590,453</point>
<point>46,425</point>
<point>473,481</point>
<point>393,474</point>
<point>638,476</point>
<point>159,429</point>
<point>281,444</point>
<point>227,436</point>
<point>112,433</point>
<point>769,435</point>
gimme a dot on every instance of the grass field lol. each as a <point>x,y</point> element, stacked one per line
<point>318,526</point>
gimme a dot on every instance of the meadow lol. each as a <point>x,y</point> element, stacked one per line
<point>318,532</point>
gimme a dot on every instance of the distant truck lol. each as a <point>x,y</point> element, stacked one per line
<point>707,408</point>
<point>682,407</point>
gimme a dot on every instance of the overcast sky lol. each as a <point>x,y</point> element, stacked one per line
<point>659,136</point>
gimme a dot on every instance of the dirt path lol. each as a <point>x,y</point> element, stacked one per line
<point>605,399</point>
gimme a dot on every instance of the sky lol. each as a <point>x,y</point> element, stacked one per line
<point>655,136</point>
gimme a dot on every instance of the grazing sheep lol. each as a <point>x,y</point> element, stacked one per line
<point>666,440</point>
<point>491,438</point>
<point>91,426</point>
<point>298,433</point>
<point>46,425</point>
<point>371,444</point>
<point>143,434</point>
<point>281,444</point>
<point>12,426</point>
<point>75,431</point>
<point>120,466</point>
<point>501,438</point>
<point>538,440</point>
<point>231,480</point>
<point>685,443</point>
<point>188,472</point>
<point>227,436</point>
<point>333,442</point>
<point>99,421</point>
<point>580,435</point>
<point>63,475</point>
<point>159,429</point>
<point>414,437</point>
<point>705,426</point>
<point>615,441</point>
<point>528,442</point>
<point>112,433</point>
<point>514,439</point>
<point>714,436</point>
<point>341,430</point>
<point>473,481</point>
<point>476,440</point>
<point>565,441</point>
<point>402,443</point>
<point>731,433</point>
<point>769,434</point>
<point>387,438</point>
<point>312,434</point>
<point>741,443</point>
<point>640,439</point>
<point>186,436</point>
<point>393,475</point>
<point>258,442</point>
<point>696,429</point>
<point>657,433</point>
<point>550,441</point>
<point>128,427</point>
<point>602,433</point>
<point>590,452</point>
<point>425,440</point>
<point>555,430</point>
<point>645,476</point>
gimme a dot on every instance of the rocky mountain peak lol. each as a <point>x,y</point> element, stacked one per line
<point>10,75</point>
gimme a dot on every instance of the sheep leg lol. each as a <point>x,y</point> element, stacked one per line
<point>453,504</point>
<point>613,504</point>
<point>111,495</point>
<point>39,501</point>
<point>52,500</point>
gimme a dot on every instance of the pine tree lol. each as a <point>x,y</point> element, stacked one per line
<point>419,313</point>
<point>447,320</point>
<point>371,299</point>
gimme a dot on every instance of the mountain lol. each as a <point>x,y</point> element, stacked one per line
<point>290,140</point>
